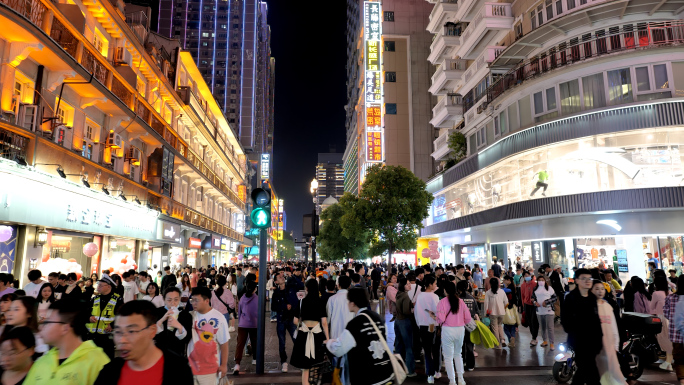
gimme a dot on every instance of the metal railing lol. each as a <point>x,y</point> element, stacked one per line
<point>60,34</point>
<point>600,43</point>
<point>95,66</point>
<point>122,92</point>
<point>13,146</point>
<point>30,9</point>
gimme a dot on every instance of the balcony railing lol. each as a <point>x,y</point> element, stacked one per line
<point>122,92</point>
<point>60,34</point>
<point>13,146</point>
<point>30,9</point>
<point>95,66</point>
<point>628,37</point>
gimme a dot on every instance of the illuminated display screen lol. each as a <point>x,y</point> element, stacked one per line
<point>372,25</point>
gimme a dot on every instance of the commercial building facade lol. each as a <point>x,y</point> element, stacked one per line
<point>388,106</point>
<point>573,119</point>
<point>330,177</point>
<point>109,137</point>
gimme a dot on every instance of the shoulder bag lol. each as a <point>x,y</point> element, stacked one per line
<point>398,365</point>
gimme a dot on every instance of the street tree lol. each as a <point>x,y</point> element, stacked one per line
<point>334,243</point>
<point>286,249</point>
<point>392,205</point>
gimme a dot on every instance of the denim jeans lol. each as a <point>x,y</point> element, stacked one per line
<point>509,331</point>
<point>284,325</point>
<point>274,315</point>
<point>403,343</point>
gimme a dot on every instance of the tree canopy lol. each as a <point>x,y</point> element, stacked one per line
<point>336,243</point>
<point>391,205</point>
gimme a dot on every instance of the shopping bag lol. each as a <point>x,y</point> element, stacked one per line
<point>511,316</point>
<point>482,336</point>
<point>523,320</point>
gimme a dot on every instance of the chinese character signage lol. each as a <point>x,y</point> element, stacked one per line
<point>373,87</point>
<point>374,146</point>
<point>372,25</point>
<point>242,192</point>
<point>265,166</point>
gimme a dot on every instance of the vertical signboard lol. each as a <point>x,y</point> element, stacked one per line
<point>265,166</point>
<point>372,35</point>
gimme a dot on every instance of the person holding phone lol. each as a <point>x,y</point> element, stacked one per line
<point>426,305</point>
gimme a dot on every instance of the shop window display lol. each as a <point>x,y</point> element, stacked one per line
<point>632,159</point>
<point>64,254</point>
<point>672,253</point>
<point>626,256</point>
<point>470,255</point>
<point>120,257</point>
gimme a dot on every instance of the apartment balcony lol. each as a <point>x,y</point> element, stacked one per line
<point>443,12</point>
<point>441,144</point>
<point>448,111</point>
<point>448,76</point>
<point>445,43</point>
<point>490,25</point>
<point>480,67</point>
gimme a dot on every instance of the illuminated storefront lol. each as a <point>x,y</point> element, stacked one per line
<point>625,160</point>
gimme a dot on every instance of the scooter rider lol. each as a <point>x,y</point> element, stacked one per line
<point>580,319</point>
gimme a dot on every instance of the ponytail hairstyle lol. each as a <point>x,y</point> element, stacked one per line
<point>427,281</point>
<point>454,300</point>
<point>494,283</point>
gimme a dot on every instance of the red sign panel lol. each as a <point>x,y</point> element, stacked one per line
<point>374,146</point>
<point>194,243</point>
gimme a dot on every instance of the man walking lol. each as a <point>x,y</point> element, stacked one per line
<point>284,318</point>
<point>375,278</point>
<point>168,280</point>
<point>71,361</point>
<point>208,347</point>
<point>141,362</point>
<point>104,307</point>
<point>173,327</point>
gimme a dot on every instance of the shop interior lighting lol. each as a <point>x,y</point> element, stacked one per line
<point>112,244</point>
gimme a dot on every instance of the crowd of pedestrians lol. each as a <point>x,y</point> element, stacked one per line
<point>174,327</point>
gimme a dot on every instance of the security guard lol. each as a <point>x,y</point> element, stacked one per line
<point>104,308</point>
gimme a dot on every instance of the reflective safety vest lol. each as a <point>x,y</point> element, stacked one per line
<point>104,316</point>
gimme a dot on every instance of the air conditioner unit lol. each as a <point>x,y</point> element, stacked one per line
<point>480,108</point>
<point>114,141</point>
<point>133,155</point>
<point>122,56</point>
<point>27,116</point>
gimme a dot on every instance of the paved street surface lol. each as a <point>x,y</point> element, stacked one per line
<point>519,365</point>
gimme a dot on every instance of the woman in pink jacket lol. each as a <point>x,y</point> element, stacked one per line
<point>453,315</point>
<point>392,296</point>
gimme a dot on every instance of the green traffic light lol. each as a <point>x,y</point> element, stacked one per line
<point>260,218</point>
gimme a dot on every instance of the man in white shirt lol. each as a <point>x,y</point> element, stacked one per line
<point>208,347</point>
<point>426,307</point>
<point>339,316</point>
<point>143,284</point>
<point>130,288</point>
<point>338,308</point>
<point>415,289</point>
<point>33,288</point>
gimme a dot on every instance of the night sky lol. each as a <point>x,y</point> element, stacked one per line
<point>309,45</point>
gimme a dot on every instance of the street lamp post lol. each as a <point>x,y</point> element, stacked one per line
<point>314,220</point>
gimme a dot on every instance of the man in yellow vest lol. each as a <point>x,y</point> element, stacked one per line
<point>104,307</point>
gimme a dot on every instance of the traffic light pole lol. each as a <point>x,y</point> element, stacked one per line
<point>261,325</point>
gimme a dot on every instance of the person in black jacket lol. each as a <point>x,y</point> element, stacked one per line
<point>174,328</point>
<point>168,280</point>
<point>581,321</point>
<point>141,360</point>
<point>375,278</point>
<point>285,316</point>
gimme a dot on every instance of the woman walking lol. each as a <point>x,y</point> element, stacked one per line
<point>221,298</point>
<point>606,360</point>
<point>46,297</point>
<point>474,308</point>
<point>642,298</point>
<point>662,290</point>
<point>403,328</point>
<point>453,315</point>
<point>392,297</point>
<point>495,308</point>
<point>312,331</point>
<point>544,299</point>
<point>248,308</point>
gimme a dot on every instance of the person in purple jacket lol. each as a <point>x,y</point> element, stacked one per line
<point>247,321</point>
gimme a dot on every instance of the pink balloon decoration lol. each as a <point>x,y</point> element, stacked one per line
<point>434,254</point>
<point>5,233</point>
<point>179,259</point>
<point>425,253</point>
<point>90,249</point>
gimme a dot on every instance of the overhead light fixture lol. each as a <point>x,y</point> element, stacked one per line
<point>61,173</point>
<point>104,190</point>
<point>136,200</point>
<point>149,206</point>
<point>41,237</point>
<point>146,246</point>
<point>122,196</point>
<point>610,222</point>
<point>84,179</point>
<point>60,169</point>
<point>20,161</point>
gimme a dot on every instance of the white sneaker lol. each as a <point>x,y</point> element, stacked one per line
<point>431,380</point>
<point>236,370</point>
<point>231,329</point>
<point>284,368</point>
<point>438,375</point>
<point>253,362</point>
<point>461,381</point>
<point>666,366</point>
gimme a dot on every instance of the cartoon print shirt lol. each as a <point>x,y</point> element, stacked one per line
<point>209,331</point>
